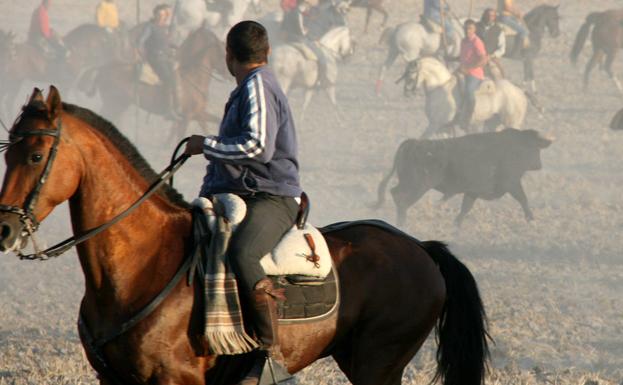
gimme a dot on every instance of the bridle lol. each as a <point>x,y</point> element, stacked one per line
<point>26,213</point>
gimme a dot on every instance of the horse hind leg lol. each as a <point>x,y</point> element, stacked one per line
<point>608,66</point>
<point>384,369</point>
<point>597,57</point>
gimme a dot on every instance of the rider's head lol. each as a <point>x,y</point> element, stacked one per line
<point>489,16</point>
<point>247,46</point>
<point>161,13</point>
<point>470,28</point>
<point>46,3</point>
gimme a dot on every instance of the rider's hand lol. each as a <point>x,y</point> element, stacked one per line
<point>194,145</point>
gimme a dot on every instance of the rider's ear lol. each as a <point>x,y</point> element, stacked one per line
<point>36,96</point>
<point>53,102</point>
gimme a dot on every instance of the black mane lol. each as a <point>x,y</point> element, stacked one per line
<point>125,147</point>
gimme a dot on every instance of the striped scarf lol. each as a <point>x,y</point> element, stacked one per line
<point>224,326</point>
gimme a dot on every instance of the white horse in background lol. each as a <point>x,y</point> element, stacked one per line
<point>497,102</point>
<point>296,66</point>
<point>191,14</point>
<point>412,40</point>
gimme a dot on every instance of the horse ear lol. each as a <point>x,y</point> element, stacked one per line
<point>36,96</point>
<point>54,102</point>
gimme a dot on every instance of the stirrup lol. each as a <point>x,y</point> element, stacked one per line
<point>273,373</point>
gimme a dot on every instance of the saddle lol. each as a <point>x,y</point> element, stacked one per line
<point>301,263</point>
<point>304,49</point>
<point>431,25</point>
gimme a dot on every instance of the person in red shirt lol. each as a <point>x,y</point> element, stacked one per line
<point>473,59</point>
<point>288,5</point>
<point>40,32</point>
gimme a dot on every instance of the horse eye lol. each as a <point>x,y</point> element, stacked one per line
<point>36,157</point>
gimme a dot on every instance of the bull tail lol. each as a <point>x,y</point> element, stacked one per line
<point>463,351</point>
<point>580,38</point>
<point>383,185</point>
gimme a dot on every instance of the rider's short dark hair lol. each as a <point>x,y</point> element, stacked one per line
<point>248,42</point>
<point>468,22</point>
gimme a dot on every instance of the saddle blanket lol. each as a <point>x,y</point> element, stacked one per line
<point>293,255</point>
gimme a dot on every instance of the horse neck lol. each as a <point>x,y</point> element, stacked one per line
<point>332,38</point>
<point>126,265</point>
<point>536,23</point>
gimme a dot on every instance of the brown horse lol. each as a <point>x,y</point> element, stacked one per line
<point>394,288</point>
<point>607,39</point>
<point>199,56</point>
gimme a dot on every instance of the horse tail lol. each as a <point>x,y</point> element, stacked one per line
<point>386,35</point>
<point>383,185</point>
<point>463,350</point>
<point>580,38</point>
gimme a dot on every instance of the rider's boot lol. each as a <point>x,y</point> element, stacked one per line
<point>269,366</point>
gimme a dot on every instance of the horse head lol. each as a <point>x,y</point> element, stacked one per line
<point>552,20</point>
<point>411,77</point>
<point>543,17</point>
<point>41,170</point>
<point>339,41</point>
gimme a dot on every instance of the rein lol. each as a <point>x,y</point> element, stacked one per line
<point>26,213</point>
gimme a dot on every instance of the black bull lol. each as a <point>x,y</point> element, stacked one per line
<point>484,166</point>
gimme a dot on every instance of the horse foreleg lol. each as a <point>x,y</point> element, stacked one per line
<point>331,93</point>
<point>309,92</point>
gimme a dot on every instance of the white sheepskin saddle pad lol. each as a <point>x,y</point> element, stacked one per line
<point>291,256</point>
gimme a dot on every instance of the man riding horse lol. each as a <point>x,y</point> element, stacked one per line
<point>492,35</point>
<point>157,48</point>
<point>511,16</point>
<point>296,29</point>
<point>42,35</point>
<point>473,58</point>
<point>255,157</point>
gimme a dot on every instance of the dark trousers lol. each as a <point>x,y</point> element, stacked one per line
<point>268,218</point>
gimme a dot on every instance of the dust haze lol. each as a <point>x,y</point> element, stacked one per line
<point>552,287</point>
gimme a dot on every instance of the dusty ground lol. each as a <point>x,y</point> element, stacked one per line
<point>551,287</point>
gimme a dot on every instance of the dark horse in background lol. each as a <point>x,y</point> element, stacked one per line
<point>200,57</point>
<point>394,289</point>
<point>87,46</point>
<point>539,20</point>
<point>607,39</point>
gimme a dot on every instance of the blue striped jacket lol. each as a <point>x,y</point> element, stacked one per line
<point>255,150</point>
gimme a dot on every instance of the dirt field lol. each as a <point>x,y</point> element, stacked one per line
<point>552,288</point>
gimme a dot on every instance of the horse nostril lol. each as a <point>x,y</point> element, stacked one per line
<point>5,231</point>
